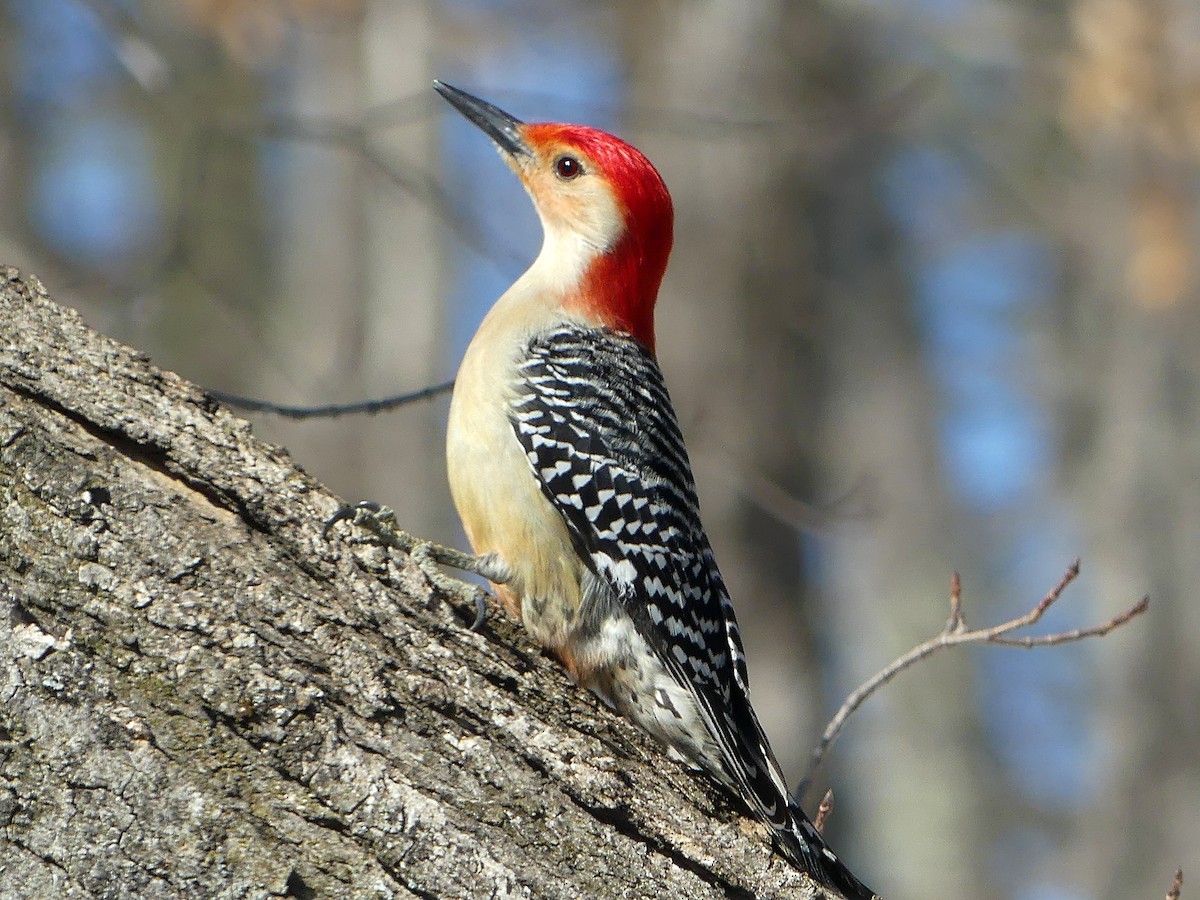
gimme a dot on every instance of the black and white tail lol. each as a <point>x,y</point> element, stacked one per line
<point>802,843</point>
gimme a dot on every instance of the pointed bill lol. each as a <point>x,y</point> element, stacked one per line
<point>493,121</point>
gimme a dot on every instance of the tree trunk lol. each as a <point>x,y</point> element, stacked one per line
<point>202,697</point>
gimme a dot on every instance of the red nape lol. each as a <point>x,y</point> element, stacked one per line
<point>621,286</point>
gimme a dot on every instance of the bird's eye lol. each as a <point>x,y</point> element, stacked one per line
<point>567,167</point>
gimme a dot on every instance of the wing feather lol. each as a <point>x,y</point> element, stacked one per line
<point>596,421</point>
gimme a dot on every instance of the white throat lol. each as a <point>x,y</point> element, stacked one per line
<point>565,257</point>
<point>580,222</point>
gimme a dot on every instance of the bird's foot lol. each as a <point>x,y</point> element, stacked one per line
<point>427,556</point>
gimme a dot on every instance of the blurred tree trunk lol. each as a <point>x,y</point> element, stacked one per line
<point>915,751</point>
<point>361,299</point>
<point>734,313</point>
<point>789,357</point>
<point>403,339</point>
<point>1130,393</point>
<point>201,696</point>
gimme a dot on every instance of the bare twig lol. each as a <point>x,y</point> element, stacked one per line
<point>1177,887</point>
<point>824,811</point>
<point>955,633</point>
<point>955,623</point>
<point>370,407</point>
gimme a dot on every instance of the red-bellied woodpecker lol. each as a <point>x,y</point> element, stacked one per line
<point>569,471</point>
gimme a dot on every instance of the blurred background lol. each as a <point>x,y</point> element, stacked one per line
<point>934,305</point>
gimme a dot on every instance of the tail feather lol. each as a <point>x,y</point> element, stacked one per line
<point>804,846</point>
<point>750,768</point>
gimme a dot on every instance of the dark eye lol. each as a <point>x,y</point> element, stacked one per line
<point>567,167</point>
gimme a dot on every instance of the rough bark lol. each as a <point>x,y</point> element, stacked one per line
<point>201,697</point>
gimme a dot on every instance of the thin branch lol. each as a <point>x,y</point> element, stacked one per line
<point>1177,887</point>
<point>956,632</point>
<point>370,407</point>
<point>1075,634</point>
<point>955,622</point>
<point>824,811</point>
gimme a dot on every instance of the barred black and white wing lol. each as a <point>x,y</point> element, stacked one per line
<point>597,425</point>
<point>601,436</point>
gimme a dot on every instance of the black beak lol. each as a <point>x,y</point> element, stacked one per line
<point>495,123</point>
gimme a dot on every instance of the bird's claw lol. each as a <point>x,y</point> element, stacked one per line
<point>423,554</point>
<point>375,517</point>
<point>380,520</point>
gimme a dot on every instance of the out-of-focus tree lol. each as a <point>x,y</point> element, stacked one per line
<point>933,306</point>
<point>1130,392</point>
<point>780,302</point>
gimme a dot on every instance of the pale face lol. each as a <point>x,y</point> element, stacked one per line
<point>580,214</point>
<point>572,195</point>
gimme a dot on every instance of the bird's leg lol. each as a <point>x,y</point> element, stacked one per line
<point>381,521</point>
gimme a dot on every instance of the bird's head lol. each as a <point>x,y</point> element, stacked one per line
<point>605,211</point>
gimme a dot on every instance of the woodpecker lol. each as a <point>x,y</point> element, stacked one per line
<point>570,474</point>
